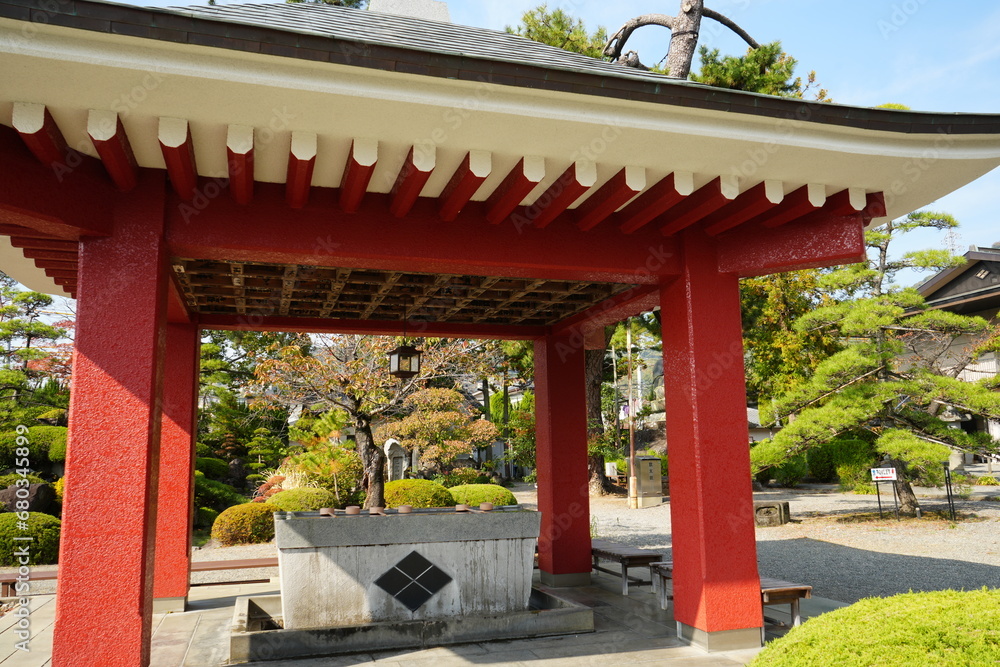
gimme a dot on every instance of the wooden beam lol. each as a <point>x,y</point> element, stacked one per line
<point>60,273</point>
<point>58,255</point>
<point>806,199</point>
<point>416,169</point>
<point>621,187</point>
<point>24,232</point>
<point>474,169</point>
<point>570,186</point>
<point>40,133</point>
<point>874,207</point>
<point>522,179</point>
<point>708,199</point>
<point>361,162</point>
<point>849,201</point>
<point>748,205</point>
<point>112,144</point>
<point>301,162</point>
<point>44,244</point>
<point>633,301</point>
<point>178,153</point>
<point>239,153</point>
<point>655,201</point>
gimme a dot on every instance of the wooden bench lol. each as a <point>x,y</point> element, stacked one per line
<point>9,581</point>
<point>626,557</point>
<point>772,591</point>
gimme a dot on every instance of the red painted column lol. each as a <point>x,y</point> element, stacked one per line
<point>561,462</point>
<point>175,495</point>
<point>104,601</point>
<point>716,584</point>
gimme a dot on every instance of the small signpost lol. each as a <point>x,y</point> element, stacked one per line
<point>885,475</point>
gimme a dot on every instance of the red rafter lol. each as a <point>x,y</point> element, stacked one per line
<point>874,206</point>
<point>301,162</point>
<point>361,162</point>
<point>522,179</point>
<point>44,244</point>
<point>621,187</point>
<point>570,186</point>
<point>805,200</point>
<point>709,198</point>
<point>178,154</point>
<point>57,255</point>
<point>654,202</point>
<point>750,204</point>
<point>40,133</point>
<point>410,180</point>
<point>112,144</point>
<point>26,232</point>
<point>239,154</point>
<point>475,167</point>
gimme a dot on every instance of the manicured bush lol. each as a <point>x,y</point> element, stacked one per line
<point>474,494</point>
<point>11,479</point>
<point>303,500</point>
<point>213,468</point>
<point>854,460</point>
<point>43,549</point>
<point>60,487</point>
<point>202,450</point>
<point>210,493</point>
<point>945,628</point>
<point>41,441</point>
<point>461,476</point>
<point>204,517</point>
<point>417,493</point>
<point>987,480</point>
<point>791,472</point>
<point>249,523</point>
<point>821,465</point>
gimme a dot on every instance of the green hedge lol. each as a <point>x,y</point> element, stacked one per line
<point>218,496</point>
<point>941,628</point>
<point>43,549</point>
<point>249,523</point>
<point>303,499</point>
<point>417,493</point>
<point>474,494</point>
<point>204,517</point>
<point>11,480</point>
<point>45,442</point>
<point>213,468</point>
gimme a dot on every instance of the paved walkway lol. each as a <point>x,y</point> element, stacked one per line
<point>629,630</point>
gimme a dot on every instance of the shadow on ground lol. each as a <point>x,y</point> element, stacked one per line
<point>848,574</point>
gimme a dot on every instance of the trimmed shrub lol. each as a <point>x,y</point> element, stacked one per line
<point>218,496</point>
<point>60,487</point>
<point>42,439</point>
<point>213,468</point>
<point>303,500</point>
<point>821,465</point>
<point>853,459</point>
<point>791,472</point>
<point>473,494</point>
<point>201,450</point>
<point>948,628</point>
<point>417,493</point>
<point>987,480</point>
<point>44,531</point>
<point>249,523</point>
<point>204,517</point>
<point>460,476</point>
<point>11,480</point>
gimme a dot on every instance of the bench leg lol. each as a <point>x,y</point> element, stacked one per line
<point>624,579</point>
<point>796,615</point>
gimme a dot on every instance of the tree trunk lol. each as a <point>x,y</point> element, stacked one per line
<point>908,504</point>
<point>373,460</point>
<point>594,374</point>
<point>684,38</point>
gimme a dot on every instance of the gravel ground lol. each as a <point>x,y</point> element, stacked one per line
<point>842,561</point>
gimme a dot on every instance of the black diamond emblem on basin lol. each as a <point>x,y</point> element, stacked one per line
<point>413,581</point>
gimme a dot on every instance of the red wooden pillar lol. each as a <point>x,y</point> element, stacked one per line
<point>104,601</point>
<point>561,461</point>
<point>716,584</point>
<point>176,484</point>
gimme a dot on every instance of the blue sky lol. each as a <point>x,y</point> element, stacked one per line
<point>930,55</point>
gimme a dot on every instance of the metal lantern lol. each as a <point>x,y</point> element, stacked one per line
<point>404,362</point>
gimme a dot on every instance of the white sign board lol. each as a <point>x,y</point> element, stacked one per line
<point>883,474</point>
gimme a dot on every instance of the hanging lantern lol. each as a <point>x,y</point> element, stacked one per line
<point>404,361</point>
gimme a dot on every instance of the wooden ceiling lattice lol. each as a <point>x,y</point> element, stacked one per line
<point>243,288</point>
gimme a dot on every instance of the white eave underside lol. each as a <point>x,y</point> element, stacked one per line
<point>72,71</point>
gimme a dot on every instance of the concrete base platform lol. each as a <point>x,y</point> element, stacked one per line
<point>725,640</point>
<point>169,605</point>
<point>257,633</point>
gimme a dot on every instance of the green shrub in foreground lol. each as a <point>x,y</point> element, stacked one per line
<point>417,493</point>
<point>11,480</point>
<point>213,468</point>
<point>474,494</point>
<point>249,523</point>
<point>303,499</point>
<point>941,628</point>
<point>44,530</point>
